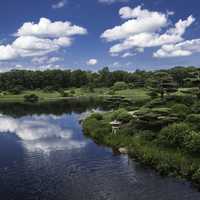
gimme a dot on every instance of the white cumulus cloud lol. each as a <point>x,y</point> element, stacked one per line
<point>140,21</point>
<point>39,39</point>
<point>60,4</point>
<point>92,62</point>
<point>46,60</point>
<point>185,48</point>
<point>144,29</point>
<point>47,28</point>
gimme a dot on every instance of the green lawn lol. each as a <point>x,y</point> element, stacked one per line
<point>135,94</point>
<point>20,97</point>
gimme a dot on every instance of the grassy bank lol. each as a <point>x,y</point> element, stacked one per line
<point>143,146</point>
<point>133,94</point>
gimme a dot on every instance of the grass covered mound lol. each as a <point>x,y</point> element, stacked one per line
<point>164,135</point>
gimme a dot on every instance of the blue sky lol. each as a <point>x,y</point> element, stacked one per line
<point>91,34</point>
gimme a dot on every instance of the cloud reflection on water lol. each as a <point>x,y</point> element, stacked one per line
<point>41,133</point>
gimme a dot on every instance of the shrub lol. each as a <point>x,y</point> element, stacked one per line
<point>131,86</point>
<point>196,177</point>
<point>180,109</point>
<point>96,128</point>
<point>192,142</point>
<point>187,99</point>
<point>153,94</point>
<point>147,135</point>
<point>97,116</point>
<point>120,86</point>
<point>64,94</point>
<point>16,90</point>
<point>49,89</point>
<point>174,135</point>
<point>72,92</point>
<point>196,108</point>
<point>193,118</point>
<point>122,115</point>
<point>154,119</point>
<point>111,92</point>
<point>155,103</point>
<point>32,98</point>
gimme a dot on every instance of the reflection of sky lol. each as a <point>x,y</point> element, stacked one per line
<point>44,133</point>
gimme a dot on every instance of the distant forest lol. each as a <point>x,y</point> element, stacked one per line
<point>56,79</point>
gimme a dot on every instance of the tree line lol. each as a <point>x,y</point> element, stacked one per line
<point>56,79</point>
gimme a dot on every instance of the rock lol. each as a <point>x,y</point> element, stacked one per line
<point>123,150</point>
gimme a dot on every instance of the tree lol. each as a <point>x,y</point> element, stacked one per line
<point>162,83</point>
<point>105,77</point>
<point>195,81</point>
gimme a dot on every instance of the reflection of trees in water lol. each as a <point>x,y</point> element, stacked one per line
<point>77,105</point>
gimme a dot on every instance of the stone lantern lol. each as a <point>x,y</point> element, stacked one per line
<point>115,126</point>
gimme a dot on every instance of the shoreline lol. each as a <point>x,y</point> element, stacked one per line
<point>165,161</point>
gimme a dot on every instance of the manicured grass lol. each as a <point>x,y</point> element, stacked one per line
<point>185,91</point>
<point>20,97</point>
<point>135,94</point>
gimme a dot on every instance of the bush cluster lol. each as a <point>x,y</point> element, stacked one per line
<point>121,115</point>
<point>31,98</point>
<point>180,135</point>
<point>120,86</point>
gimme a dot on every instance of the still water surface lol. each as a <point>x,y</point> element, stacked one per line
<point>47,157</point>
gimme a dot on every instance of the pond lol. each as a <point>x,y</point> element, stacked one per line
<point>45,155</point>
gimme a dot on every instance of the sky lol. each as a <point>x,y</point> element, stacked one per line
<point>91,34</point>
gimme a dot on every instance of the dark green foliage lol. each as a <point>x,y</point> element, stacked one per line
<point>192,142</point>
<point>154,119</point>
<point>50,89</point>
<point>118,102</point>
<point>121,115</point>
<point>55,79</point>
<point>162,83</point>
<point>16,90</point>
<point>193,118</point>
<point>32,98</point>
<point>155,103</point>
<point>111,92</point>
<point>147,135</point>
<point>72,92</point>
<point>196,177</point>
<point>170,152</point>
<point>196,108</point>
<point>174,135</point>
<point>181,110</point>
<point>97,128</point>
<point>153,94</point>
<point>65,94</point>
<point>187,100</point>
<point>97,116</point>
<point>124,117</point>
<point>127,130</point>
<point>131,86</point>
